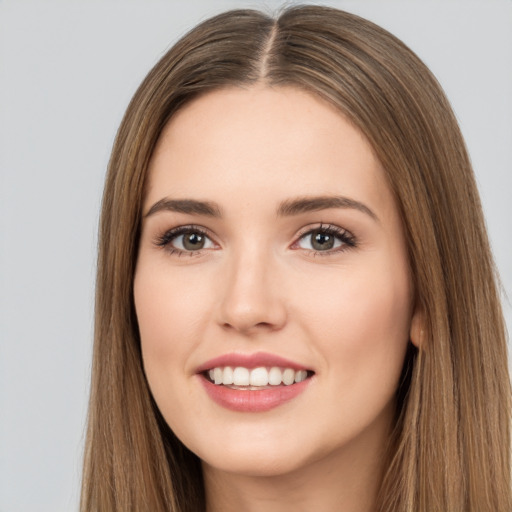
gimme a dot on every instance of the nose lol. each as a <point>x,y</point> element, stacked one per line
<point>252,300</point>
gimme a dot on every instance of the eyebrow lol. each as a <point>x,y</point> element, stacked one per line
<point>313,204</point>
<point>191,206</point>
<point>286,208</point>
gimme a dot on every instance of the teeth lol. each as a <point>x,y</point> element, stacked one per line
<point>227,377</point>
<point>259,377</point>
<point>241,376</point>
<point>301,375</point>
<point>256,377</point>
<point>288,377</point>
<point>275,376</point>
<point>217,375</point>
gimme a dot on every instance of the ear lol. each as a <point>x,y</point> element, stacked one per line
<point>417,332</point>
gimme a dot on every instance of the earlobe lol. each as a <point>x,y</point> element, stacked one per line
<point>417,332</point>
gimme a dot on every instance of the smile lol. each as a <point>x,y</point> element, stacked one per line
<point>256,378</point>
<point>253,383</point>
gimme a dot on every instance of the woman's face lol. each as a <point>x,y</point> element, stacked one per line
<point>271,252</point>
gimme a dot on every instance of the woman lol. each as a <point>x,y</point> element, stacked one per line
<point>296,301</point>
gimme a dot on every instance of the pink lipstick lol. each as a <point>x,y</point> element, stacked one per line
<point>253,382</point>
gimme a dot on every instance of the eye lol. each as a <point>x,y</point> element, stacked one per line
<point>185,239</point>
<point>326,239</point>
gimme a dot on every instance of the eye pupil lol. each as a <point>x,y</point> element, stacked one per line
<point>322,241</point>
<point>193,241</point>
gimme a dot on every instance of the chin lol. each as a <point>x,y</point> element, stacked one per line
<point>264,455</point>
<point>254,463</point>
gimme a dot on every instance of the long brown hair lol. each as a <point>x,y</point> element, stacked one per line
<point>450,449</point>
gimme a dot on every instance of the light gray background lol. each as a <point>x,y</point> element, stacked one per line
<point>67,72</point>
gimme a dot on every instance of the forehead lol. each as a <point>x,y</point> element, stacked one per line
<point>263,144</point>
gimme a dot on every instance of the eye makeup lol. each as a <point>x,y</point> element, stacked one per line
<point>192,240</point>
<point>185,240</point>
<point>326,240</point>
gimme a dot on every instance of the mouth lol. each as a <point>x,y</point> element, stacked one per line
<point>253,383</point>
<point>253,379</point>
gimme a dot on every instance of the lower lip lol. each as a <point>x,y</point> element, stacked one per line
<point>252,400</point>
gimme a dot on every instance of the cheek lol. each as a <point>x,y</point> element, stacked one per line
<point>170,311</point>
<point>360,319</point>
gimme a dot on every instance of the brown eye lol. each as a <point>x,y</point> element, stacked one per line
<point>193,241</point>
<point>328,239</point>
<point>321,241</point>
<point>185,239</point>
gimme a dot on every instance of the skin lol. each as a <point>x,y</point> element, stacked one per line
<point>258,285</point>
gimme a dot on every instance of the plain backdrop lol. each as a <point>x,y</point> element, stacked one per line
<point>67,72</point>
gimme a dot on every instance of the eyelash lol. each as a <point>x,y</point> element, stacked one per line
<point>165,240</point>
<point>347,239</point>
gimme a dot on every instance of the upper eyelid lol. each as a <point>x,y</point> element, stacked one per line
<point>323,226</point>
<point>188,228</point>
<point>177,231</point>
<point>320,225</point>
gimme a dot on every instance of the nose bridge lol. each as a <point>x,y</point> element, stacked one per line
<point>251,295</point>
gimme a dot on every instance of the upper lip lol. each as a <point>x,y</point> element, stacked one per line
<point>255,360</point>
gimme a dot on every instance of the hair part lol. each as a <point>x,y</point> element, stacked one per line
<point>450,449</point>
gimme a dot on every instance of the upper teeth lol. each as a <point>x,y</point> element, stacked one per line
<point>262,376</point>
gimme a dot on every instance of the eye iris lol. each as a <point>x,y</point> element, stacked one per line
<point>193,241</point>
<point>322,241</point>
